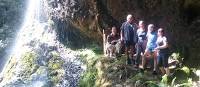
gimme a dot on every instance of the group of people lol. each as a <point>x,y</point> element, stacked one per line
<point>141,43</point>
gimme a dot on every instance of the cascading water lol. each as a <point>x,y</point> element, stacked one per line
<point>37,38</point>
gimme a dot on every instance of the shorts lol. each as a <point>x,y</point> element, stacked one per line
<point>129,43</point>
<point>150,49</point>
<point>140,48</point>
<point>110,46</point>
<point>163,60</point>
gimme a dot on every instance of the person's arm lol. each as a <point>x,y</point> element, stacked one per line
<point>122,32</point>
<point>109,39</point>
<point>147,37</point>
<point>136,35</point>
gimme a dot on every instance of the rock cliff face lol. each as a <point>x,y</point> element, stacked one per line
<point>180,18</point>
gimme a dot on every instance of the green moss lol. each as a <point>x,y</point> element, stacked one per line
<point>55,79</point>
<point>165,79</point>
<point>54,65</point>
<point>55,62</point>
<point>29,65</point>
<point>89,77</point>
<point>56,71</point>
<point>102,71</point>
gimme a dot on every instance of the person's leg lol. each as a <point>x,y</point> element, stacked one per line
<point>128,55</point>
<point>113,50</point>
<point>122,47</point>
<point>162,70</point>
<point>165,64</point>
<point>155,61</point>
<point>109,52</point>
<point>144,58</point>
<point>132,49</point>
<point>138,54</point>
<point>160,63</point>
<point>108,49</point>
<point>167,71</point>
<point>142,53</point>
<point>127,49</point>
<point>117,46</point>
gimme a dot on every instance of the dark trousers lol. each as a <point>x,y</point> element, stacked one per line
<point>139,49</point>
<point>163,60</point>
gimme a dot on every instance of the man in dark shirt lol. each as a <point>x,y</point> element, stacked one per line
<point>128,36</point>
<point>113,43</point>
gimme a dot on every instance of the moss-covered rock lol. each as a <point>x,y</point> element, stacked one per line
<point>55,67</point>
<point>28,65</point>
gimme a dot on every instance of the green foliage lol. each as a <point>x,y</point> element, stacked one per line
<point>55,62</point>
<point>104,70</point>
<point>176,56</point>
<point>186,70</point>
<point>173,81</point>
<point>97,48</point>
<point>139,76</point>
<point>188,83</point>
<point>165,79</point>
<point>89,77</point>
<point>29,65</point>
<point>151,84</point>
<point>55,65</point>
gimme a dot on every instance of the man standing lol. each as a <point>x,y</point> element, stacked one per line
<point>129,37</point>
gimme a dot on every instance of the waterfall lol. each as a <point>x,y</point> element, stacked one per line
<point>36,35</point>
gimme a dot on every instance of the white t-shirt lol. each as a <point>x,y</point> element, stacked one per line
<point>160,41</point>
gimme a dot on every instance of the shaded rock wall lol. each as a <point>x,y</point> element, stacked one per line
<point>180,18</point>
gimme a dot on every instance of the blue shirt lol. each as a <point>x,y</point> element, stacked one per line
<point>151,39</point>
<point>129,32</point>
